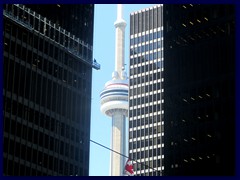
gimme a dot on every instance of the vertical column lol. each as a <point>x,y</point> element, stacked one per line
<point>120,26</point>
<point>118,143</point>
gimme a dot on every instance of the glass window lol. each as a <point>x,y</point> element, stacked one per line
<point>146,37</point>
<point>150,36</point>
<point>154,35</point>
<point>139,39</point>
<point>131,41</point>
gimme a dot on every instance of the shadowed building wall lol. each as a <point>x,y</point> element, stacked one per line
<point>47,89</point>
<point>199,53</point>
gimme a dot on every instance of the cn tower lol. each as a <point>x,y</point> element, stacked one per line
<point>114,99</point>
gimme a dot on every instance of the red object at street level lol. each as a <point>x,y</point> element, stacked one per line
<point>129,168</point>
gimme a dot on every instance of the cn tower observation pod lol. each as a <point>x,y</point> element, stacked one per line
<point>114,97</point>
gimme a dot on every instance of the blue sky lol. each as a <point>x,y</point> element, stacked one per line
<point>104,52</point>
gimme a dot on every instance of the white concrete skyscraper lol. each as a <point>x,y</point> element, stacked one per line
<point>114,99</point>
<point>146,91</point>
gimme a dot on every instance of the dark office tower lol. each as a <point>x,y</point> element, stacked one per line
<point>199,54</point>
<point>79,21</point>
<point>146,91</point>
<point>47,89</point>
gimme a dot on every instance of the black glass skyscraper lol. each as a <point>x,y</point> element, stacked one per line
<point>47,89</point>
<point>199,56</point>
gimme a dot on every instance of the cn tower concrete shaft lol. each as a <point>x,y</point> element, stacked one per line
<point>114,99</point>
<point>118,143</point>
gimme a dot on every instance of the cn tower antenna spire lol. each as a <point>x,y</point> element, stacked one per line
<point>120,25</point>
<point>119,11</point>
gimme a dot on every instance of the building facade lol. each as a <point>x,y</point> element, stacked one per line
<point>199,53</point>
<point>146,91</point>
<point>47,89</point>
<point>182,112</point>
